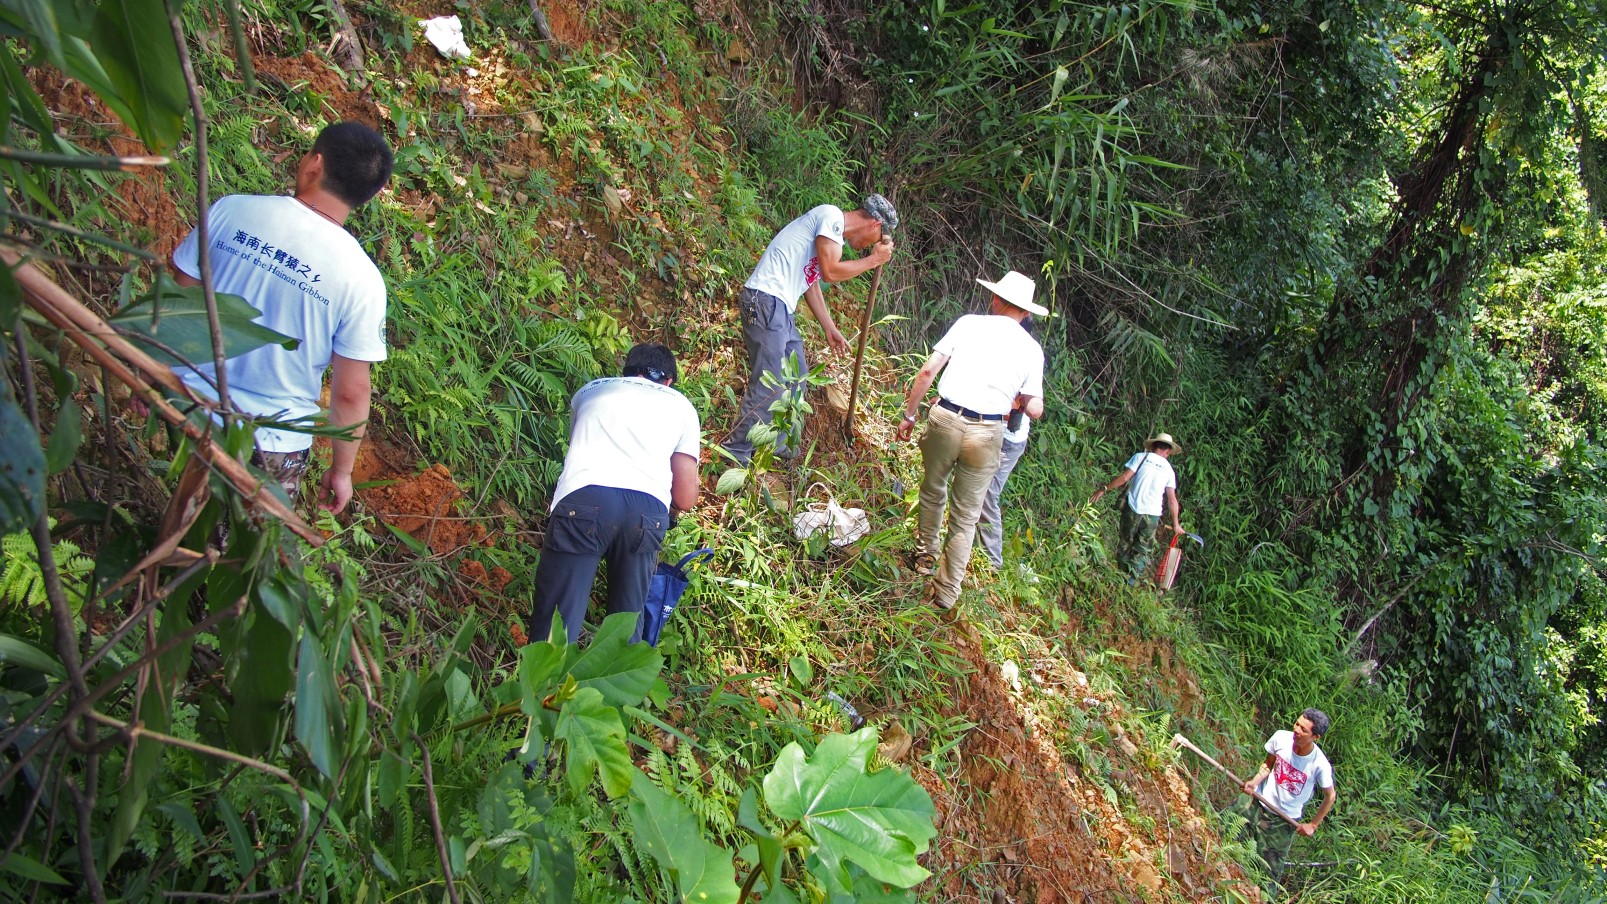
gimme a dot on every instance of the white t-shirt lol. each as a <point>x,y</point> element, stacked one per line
<point>1295,777</point>
<point>622,432</point>
<point>1152,477</point>
<point>312,281</point>
<point>789,265</point>
<point>991,361</point>
<point>1018,436</point>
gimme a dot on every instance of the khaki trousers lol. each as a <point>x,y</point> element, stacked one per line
<point>960,457</point>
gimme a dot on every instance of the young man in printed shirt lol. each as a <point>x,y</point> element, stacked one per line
<point>1294,769</point>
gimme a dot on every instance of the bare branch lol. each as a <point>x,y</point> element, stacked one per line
<point>121,358</point>
<point>435,820</point>
<point>350,53</point>
<point>202,206</point>
<point>542,28</point>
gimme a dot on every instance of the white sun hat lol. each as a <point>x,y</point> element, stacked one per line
<point>1016,289</point>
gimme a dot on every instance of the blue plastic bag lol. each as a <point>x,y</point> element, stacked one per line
<point>664,591</point>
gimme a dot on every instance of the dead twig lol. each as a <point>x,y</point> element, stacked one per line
<point>140,371</point>
<point>66,648</point>
<point>435,819</point>
<point>202,206</point>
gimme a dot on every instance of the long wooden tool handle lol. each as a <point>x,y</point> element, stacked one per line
<point>1179,741</point>
<point>859,354</point>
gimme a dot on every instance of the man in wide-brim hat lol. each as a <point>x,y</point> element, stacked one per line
<point>990,367</point>
<point>1151,484</point>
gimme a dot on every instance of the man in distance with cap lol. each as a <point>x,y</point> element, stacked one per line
<point>632,459</point>
<point>1153,482</point>
<point>990,366</point>
<point>990,526</point>
<point>805,253</point>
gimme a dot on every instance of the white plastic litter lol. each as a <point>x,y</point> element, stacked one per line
<point>446,33</point>
<point>845,524</point>
<point>1011,674</point>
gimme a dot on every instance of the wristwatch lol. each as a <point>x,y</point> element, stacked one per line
<point>909,418</point>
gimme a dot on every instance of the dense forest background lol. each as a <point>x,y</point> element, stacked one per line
<point>1352,254</point>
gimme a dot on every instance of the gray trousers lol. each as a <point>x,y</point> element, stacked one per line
<point>991,526</point>
<point>772,335</point>
<point>591,524</point>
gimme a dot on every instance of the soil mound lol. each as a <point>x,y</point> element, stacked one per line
<point>425,504</point>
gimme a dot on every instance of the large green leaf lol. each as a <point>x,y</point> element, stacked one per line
<point>19,652</point>
<point>541,664</point>
<point>318,717</point>
<point>700,869</point>
<point>767,845</point>
<point>62,447</point>
<point>10,298</point>
<point>30,869</point>
<point>880,821</point>
<point>550,878</point>
<point>595,739</point>
<point>261,680</point>
<point>550,875</point>
<point>622,671</point>
<point>37,19</point>
<point>181,324</point>
<point>133,42</point>
<point>22,469</point>
<point>68,434</point>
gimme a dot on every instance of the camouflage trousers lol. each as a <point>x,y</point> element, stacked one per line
<point>1135,545</point>
<point>284,468</point>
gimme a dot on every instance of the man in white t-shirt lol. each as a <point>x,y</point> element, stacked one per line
<point>632,460</point>
<point>292,258</point>
<point>1294,769</point>
<point>990,526</point>
<point>990,366</point>
<point>805,253</point>
<point>1152,484</point>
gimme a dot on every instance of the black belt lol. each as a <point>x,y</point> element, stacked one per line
<point>963,411</point>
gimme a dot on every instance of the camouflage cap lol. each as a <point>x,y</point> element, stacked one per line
<point>881,210</point>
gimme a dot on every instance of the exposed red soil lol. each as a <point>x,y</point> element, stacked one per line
<point>1023,822</point>
<point>425,504</point>
<point>143,198</point>
<point>476,573</point>
<point>1155,657</point>
<point>323,79</point>
<point>568,23</point>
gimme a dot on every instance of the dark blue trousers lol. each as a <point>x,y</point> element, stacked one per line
<point>589,525</point>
